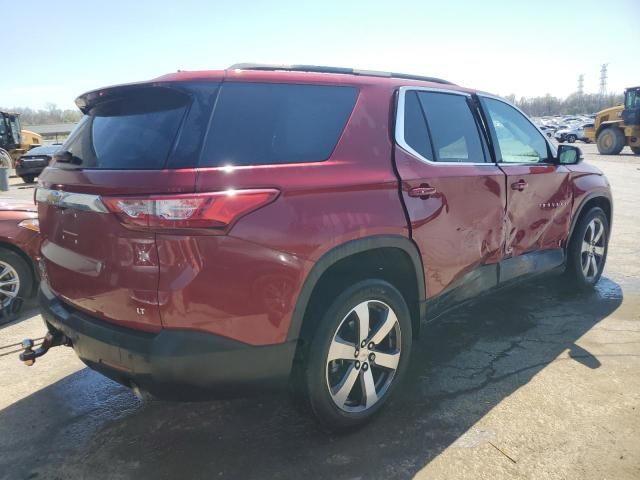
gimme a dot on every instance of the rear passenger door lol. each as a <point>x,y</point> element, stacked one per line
<point>539,191</point>
<point>453,192</point>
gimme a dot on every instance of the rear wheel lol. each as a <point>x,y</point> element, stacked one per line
<point>571,138</point>
<point>587,252</point>
<point>28,178</point>
<point>358,354</point>
<point>610,141</point>
<point>16,279</point>
<point>636,150</point>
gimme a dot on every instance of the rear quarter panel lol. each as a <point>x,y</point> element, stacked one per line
<point>245,286</point>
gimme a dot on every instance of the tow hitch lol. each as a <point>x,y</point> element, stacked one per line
<point>29,355</point>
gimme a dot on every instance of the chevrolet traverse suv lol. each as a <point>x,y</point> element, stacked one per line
<point>208,231</point>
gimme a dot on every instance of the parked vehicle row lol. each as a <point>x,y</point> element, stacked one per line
<point>208,231</point>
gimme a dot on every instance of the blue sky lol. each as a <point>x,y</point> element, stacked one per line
<point>524,47</point>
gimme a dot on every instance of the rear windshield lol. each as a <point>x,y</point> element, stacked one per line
<point>135,130</point>
<point>258,124</point>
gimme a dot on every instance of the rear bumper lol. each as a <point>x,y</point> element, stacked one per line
<point>22,171</point>
<point>176,364</point>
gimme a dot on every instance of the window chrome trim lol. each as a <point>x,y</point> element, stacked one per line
<point>77,201</point>
<point>551,146</point>
<point>399,126</point>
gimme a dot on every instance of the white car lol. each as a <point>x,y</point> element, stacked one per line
<point>572,133</point>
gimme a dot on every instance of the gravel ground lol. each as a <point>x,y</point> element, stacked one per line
<point>533,382</point>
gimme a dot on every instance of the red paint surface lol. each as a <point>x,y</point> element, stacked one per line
<point>243,282</point>
<point>11,234</point>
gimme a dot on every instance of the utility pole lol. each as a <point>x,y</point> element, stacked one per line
<point>603,79</point>
<point>581,92</point>
<point>581,84</point>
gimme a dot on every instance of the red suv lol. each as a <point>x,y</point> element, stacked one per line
<point>211,230</point>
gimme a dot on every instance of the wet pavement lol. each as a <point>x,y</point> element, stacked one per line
<point>532,382</point>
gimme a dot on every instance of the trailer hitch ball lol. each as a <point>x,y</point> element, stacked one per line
<point>29,355</point>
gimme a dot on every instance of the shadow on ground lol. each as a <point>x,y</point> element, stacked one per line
<point>85,426</point>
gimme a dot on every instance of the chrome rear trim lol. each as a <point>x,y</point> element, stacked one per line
<point>78,201</point>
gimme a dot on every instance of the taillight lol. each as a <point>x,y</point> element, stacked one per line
<point>199,210</point>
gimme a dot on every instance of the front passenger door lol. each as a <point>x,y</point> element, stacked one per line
<point>453,193</point>
<point>539,193</point>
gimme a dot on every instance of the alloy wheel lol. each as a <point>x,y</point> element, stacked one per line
<point>9,283</point>
<point>363,356</point>
<point>593,249</point>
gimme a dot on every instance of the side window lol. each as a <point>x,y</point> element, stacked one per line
<point>454,131</point>
<point>268,123</point>
<point>416,134</point>
<point>518,140</point>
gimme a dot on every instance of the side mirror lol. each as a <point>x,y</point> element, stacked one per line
<point>569,155</point>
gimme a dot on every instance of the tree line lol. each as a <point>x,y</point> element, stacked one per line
<point>572,105</point>
<point>534,106</point>
<point>46,116</point>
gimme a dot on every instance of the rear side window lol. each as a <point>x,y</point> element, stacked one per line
<point>132,130</point>
<point>260,124</point>
<point>454,131</point>
<point>416,134</point>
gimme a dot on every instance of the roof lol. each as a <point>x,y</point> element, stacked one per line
<point>286,73</point>
<point>307,74</point>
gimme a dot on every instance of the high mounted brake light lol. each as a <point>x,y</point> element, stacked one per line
<point>199,210</point>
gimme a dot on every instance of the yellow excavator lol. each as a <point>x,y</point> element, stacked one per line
<point>619,126</point>
<point>13,140</point>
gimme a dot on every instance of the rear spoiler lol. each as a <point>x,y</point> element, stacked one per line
<point>88,100</point>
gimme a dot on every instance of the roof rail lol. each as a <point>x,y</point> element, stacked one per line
<point>342,70</point>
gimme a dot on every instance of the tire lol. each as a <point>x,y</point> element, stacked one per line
<point>571,138</point>
<point>635,150</point>
<point>341,409</point>
<point>586,256</point>
<point>560,140</point>
<point>611,141</point>
<point>13,267</point>
<point>28,178</point>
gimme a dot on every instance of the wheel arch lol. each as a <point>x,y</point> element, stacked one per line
<point>613,123</point>
<point>386,255</point>
<point>595,199</point>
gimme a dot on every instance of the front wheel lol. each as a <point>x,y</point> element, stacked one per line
<point>610,141</point>
<point>28,178</point>
<point>587,251</point>
<point>571,139</point>
<point>358,355</point>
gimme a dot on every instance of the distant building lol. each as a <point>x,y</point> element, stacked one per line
<point>52,133</point>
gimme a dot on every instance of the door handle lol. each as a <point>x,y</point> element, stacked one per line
<point>520,185</point>
<point>422,191</point>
